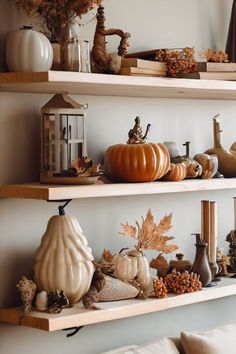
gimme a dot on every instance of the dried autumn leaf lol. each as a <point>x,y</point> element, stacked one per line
<point>128,230</point>
<point>93,170</point>
<point>151,235</point>
<point>79,169</point>
<point>107,256</point>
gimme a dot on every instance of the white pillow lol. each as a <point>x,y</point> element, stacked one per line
<point>121,349</point>
<point>161,346</point>
<point>221,340</point>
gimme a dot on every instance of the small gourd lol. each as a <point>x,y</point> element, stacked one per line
<point>63,260</point>
<point>177,172</point>
<point>132,266</point>
<point>137,161</point>
<point>226,158</point>
<point>208,166</point>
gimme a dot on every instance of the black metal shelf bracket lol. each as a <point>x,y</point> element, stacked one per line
<point>74,331</point>
<point>61,207</point>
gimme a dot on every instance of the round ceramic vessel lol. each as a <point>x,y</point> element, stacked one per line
<point>28,51</point>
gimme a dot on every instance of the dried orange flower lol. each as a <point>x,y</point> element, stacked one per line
<point>212,56</point>
<point>177,61</point>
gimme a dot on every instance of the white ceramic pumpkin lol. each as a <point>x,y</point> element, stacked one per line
<point>132,265</point>
<point>28,50</point>
<point>63,260</point>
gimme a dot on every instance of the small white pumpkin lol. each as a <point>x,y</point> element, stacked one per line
<point>132,265</point>
<point>28,51</point>
<point>63,260</point>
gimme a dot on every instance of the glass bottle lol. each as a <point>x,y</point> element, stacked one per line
<point>74,53</point>
<point>85,57</point>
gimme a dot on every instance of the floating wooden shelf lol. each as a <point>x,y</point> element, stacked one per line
<point>79,316</point>
<point>54,192</point>
<point>116,85</point>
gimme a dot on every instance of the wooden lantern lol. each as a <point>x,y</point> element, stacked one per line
<point>62,139</point>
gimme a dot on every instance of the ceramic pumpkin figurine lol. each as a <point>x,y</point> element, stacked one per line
<point>137,161</point>
<point>132,265</point>
<point>63,260</point>
<point>177,172</point>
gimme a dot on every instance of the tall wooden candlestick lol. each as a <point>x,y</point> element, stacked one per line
<point>205,211</point>
<point>213,232</point>
<point>234,213</point>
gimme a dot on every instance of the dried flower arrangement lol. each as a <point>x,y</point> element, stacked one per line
<point>57,16</point>
<point>176,283</point>
<point>180,283</point>
<point>178,61</point>
<point>150,236</point>
<point>211,56</point>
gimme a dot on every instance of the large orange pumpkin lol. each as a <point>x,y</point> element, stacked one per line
<point>137,162</point>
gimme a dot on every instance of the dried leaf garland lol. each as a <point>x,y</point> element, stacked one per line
<point>150,235</point>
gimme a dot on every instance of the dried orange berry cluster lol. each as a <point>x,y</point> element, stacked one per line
<point>177,61</point>
<point>180,283</point>
<point>159,288</point>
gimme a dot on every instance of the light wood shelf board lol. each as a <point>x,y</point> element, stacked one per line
<point>54,192</point>
<point>116,85</point>
<point>79,316</point>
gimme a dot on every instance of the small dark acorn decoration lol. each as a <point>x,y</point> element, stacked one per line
<point>137,161</point>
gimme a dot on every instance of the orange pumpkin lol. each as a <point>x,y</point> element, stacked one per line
<point>137,162</point>
<point>176,173</point>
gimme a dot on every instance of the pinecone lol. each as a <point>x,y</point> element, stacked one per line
<point>159,287</point>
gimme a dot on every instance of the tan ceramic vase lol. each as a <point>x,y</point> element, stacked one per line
<point>63,260</point>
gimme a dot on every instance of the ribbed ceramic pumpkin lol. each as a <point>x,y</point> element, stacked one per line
<point>136,162</point>
<point>132,265</point>
<point>63,260</point>
<point>176,173</point>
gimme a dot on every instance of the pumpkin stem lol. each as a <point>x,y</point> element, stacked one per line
<point>136,135</point>
<point>62,207</point>
<point>122,249</point>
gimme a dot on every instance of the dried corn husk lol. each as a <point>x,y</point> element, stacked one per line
<point>116,289</point>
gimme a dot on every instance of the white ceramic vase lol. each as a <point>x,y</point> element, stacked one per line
<point>63,260</point>
<point>29,51</point>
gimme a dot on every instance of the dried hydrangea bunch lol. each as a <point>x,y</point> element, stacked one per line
<point>177,61</point>
<point>57,14</point>
<point>180,283</point>
<point>211,56</point>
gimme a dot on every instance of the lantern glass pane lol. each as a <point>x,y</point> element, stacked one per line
<point>48,137</point>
